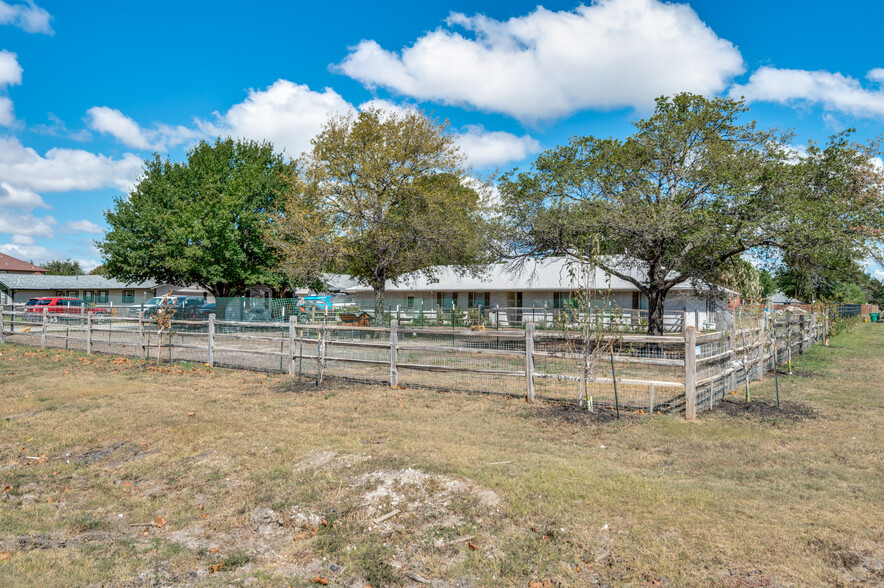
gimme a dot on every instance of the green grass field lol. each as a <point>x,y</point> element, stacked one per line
<point>116,473</point>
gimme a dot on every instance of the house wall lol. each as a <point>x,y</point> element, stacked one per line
<point>697,312</point>
<point>115,296</point>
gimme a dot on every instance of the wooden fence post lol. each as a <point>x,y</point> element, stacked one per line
<point>141,346</point>
<point>89,333</point>
<point>394,353</point>
<point>529,359</point>
<point>293,322</point>
<point>690,373</point>
<point>210,341</point>
<point>45,325</point>
<point>320,355</point>
<point>2,322</point>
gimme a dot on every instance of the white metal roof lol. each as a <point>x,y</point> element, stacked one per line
<point>555,273</point>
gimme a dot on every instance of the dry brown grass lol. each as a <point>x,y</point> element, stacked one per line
<point>260,480</point>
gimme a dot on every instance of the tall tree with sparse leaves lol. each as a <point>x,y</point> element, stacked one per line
<point>201,221</point>
<point>691,191</point>
<point>380,195</point>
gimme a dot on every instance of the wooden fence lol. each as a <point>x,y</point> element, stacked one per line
<point>676,372</point>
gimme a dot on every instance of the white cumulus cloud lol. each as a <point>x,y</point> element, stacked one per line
<point>29,17</point>
<point>25,251</point>
<point>10,75</point>
<point>23,240</point>
<point>27,224</point>
<point>62,170</point>
<point>10,70</point>
<point>546,65</point>
<point>7,112</point>
<point>21,199</point>
<point>289,115</point>
<point>492,148</point>
<point>833,91</point>
<point>113,122</point>
<point>286,114</point>
<point>83,226</point>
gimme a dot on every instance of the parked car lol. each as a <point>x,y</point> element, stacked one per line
<point>57,306</point>
<point>201,313</point>
<point>184,307</point>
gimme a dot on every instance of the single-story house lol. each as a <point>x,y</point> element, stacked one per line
<point>13,265</point>
<point>539,284</point>
<point>19,288</point>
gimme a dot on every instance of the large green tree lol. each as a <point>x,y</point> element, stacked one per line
<point>200,221</point>
<point>63,267</point>
<point>690,192</point>
<point>380,195</point>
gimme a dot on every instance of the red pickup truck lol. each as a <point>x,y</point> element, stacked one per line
<point>56,305</point>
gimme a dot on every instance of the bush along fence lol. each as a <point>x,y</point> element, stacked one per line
<point>683,372</point>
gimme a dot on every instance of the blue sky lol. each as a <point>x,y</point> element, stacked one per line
<point>90,89</point>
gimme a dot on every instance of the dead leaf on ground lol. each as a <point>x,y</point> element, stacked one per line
<point>472,546</point>
<point>320,580</point>
<point>160,522</point>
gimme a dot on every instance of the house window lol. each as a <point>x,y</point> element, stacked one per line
<point>101,296</point>
<point>59,292</point>
<point>128,296</point>
<point>73,293</point>
<point>561,299</point>
<point>409,303</point>
<point>88,296</point>
<point>476,299</point>
<point>446,299</point>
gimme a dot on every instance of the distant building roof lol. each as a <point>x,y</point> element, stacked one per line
<point>12,264</point>
<point>780,298</point>
<point>554,273</point>
<point>339,282</point>
<point>85,282</point>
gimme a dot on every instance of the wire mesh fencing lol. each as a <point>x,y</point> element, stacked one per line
<point>670,373</point>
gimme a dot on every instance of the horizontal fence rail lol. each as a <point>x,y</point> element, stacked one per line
<point>686,372</point>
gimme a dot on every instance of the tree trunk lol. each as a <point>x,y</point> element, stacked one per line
<point>379,302</point>
<point>655,312</point>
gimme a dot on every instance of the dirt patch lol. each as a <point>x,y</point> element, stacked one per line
<point>573,414</point>
<point>787,411</point>
<point>304,386</point>
<point>379,527</point>
<point>94,455</point>
<point>47,541</point>
<point>329,460</point>
<point>746,579</point>
<point>858,563</point>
